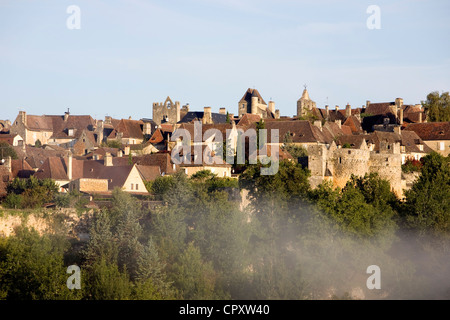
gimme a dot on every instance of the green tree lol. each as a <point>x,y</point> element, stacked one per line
<point>6,150</point>
<point>194,278</point>
<point>437,107</point>
<point>32,267</point>
<point>427,206</point>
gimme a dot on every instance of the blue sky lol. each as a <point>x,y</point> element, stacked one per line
<point>129,54</point>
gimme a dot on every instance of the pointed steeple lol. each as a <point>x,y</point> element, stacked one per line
<point>305,94</point>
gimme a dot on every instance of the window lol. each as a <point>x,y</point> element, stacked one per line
<point>441,145</point>
<point>340,160</point>
<point>131,186</point>
<point>137,186</point>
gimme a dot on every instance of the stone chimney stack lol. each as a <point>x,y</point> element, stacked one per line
<point>318,124</point>
<point>348,110</point>
<point>400,116</point>
<point>107,160</point>
<point>207,115</point>
<point>420,117</point>
<point>23,117</point>
<point>327,113</point>
<point>272,106</point>
<point>70,167</point>
<point>222,111</point>
<point>66,114</point>
<point>277,114</point>
<point>367,103</point>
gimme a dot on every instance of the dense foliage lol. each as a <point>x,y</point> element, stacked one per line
<point>290,242</point>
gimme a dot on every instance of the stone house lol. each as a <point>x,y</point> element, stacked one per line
<point>12,139</point>
<point>90,175</point>
<point>435,134</point>
<point>51,129</point>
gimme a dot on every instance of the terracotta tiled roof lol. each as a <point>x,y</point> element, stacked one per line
<point>354,124</point>
<point>149,173</point>
<point>411,140</point>
<point>9,138</point>
<point>300,131</point>
<point>21,168</point>
<point>36,156</point>
<point>431,130</point>
<point>161,159</point>
<point>355,141</point>
<point>379,108</point>
<point>248,118</point>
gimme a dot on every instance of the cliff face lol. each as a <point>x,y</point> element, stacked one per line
<point>47,221</point>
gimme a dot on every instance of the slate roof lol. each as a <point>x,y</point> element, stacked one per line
<point>248,96</point>
<point>198,115</point>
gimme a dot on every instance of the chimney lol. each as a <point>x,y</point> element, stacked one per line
<point>337,109</point>
<point>207,115</point>
<point>120,154</point>
<point>318,124</point>
<point>348,110</point>
<point>126,150</point>
<point>272,106</point>
<point>420,117</point>
<point>107,160</point>
<point>399,102</point>
<point>223,111</point>
<point>327,113</point>
<point>23,117</point>
<point>277,114</point>
<point>367,103</point>
<point>129,118</point>
<point>401,116</point>
<point>66,114</point>
<point>398,129</point>
<point>69,167</point>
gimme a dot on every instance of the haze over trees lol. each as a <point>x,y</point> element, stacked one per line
<point>291,242</point>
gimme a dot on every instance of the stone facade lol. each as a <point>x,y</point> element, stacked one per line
<point>168,111</point>
<point>89,185</point>
<point>338,164</point>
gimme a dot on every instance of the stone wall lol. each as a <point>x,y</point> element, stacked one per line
<point>166,110</point>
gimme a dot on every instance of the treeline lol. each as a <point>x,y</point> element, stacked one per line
<point>291,242</point>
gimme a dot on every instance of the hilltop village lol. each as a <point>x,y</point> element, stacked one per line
<point>94,156</point>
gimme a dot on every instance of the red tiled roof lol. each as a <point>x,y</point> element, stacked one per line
<point>149,173</point>
<point>431,130</point>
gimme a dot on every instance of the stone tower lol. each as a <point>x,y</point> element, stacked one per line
<point>166,111</point>
<point>253,103</point>
<point>304,104</point>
